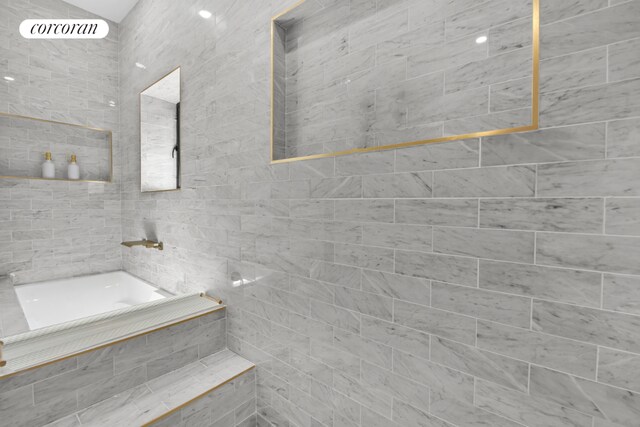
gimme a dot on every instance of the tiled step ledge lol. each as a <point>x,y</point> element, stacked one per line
<point>170,399</point>
<point>44,346</point>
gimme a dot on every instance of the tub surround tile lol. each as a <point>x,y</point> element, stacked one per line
<point>396,286</point>
<point>396,336</point>
<point>492,367</point>
<point>445,268</point>
<point>512,181</point>
<point>589,179</point>
<point>366,396</point>
<point>364,302</point>
<point>623,63</point>
<point>494,244</point>
<point>407,185</point>
<point>623,217</point>
<point>433,321</point>
<point>590,104</point>
<point>438,378</point>
<point>556,284</point>
<point>454,212</point>
<point>397,386</point>
<point>598,400</point>
<point>363,348</point>
<point>365,256</point>
<point>459,154</point>
<point>574,70</point>
<point>12,318</point>
<point>615,330</point>
<point>590,252</point>
<point>622,138</point>
<point>619,369</point>
<point>526,409</point>
<point>542,214</point>
<point>495,306</point>
<point>620,293</point>
<point>410,237</point>
<point>616,23</point>
<point>562,354</point>
<point>205,382</point>
<point>462,413</point>
<point>63,387</point>
<point>545,145</point>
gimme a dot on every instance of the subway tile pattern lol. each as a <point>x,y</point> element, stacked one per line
<point>358,74</point>
<point>54,229</point>
<point>85,385</point>
<point>484,282</point>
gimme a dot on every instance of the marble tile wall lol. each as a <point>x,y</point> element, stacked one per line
<point>65,389</point>
<point>51,229</point>
<point>481,282</point>
<point>364,73</point>
<point>25,141</point>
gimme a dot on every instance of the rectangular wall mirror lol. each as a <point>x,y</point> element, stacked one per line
<point>160,134</point>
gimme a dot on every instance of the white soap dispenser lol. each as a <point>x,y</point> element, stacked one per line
<point>73,170</point>
<point>48,168</point>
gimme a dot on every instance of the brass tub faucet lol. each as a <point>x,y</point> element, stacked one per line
<point>149,244</point>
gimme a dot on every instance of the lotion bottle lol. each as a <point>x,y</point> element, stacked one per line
<point>73,170</point>
<point>48,168</point>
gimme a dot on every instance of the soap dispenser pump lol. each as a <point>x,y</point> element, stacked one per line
<point>73,170</point>
<point>48,168</point>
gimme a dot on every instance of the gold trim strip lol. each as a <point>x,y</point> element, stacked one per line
<point>200,396</point>
<point>101,346</point>
<point>109,135</point>
<point>535,104</point>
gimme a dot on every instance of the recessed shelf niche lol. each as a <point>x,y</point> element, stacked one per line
<point>24,140</point>
<point>362,76</point>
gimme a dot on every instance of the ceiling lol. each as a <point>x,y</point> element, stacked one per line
<point>113,10</point>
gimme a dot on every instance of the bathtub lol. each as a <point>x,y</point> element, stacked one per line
<point>58,301</point>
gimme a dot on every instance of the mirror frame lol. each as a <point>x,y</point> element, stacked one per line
<point>179,160</point>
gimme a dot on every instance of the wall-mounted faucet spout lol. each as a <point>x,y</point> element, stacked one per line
<point>149,244</point>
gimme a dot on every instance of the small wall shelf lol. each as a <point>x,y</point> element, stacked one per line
<point>24,140</point>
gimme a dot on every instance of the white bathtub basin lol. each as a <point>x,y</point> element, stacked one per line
<point>57,301</point>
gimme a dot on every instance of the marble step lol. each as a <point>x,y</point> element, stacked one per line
<point>220,382</point>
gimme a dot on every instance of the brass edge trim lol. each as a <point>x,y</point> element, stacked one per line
<point>54,179</point>
<point>535,104</point>
<point>110,142</point>
<point>19,116</point>
<point>410,144</point>
<point>110,343</point>
<point>160,78</point>
<point>140,130</point>
<point>200,396</point>
<point>535,93</point>
<point>216,299</point>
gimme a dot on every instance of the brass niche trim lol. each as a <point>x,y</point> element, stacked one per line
<point>35,178</point>
<point>128,338</point>
<point>535,105</point>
